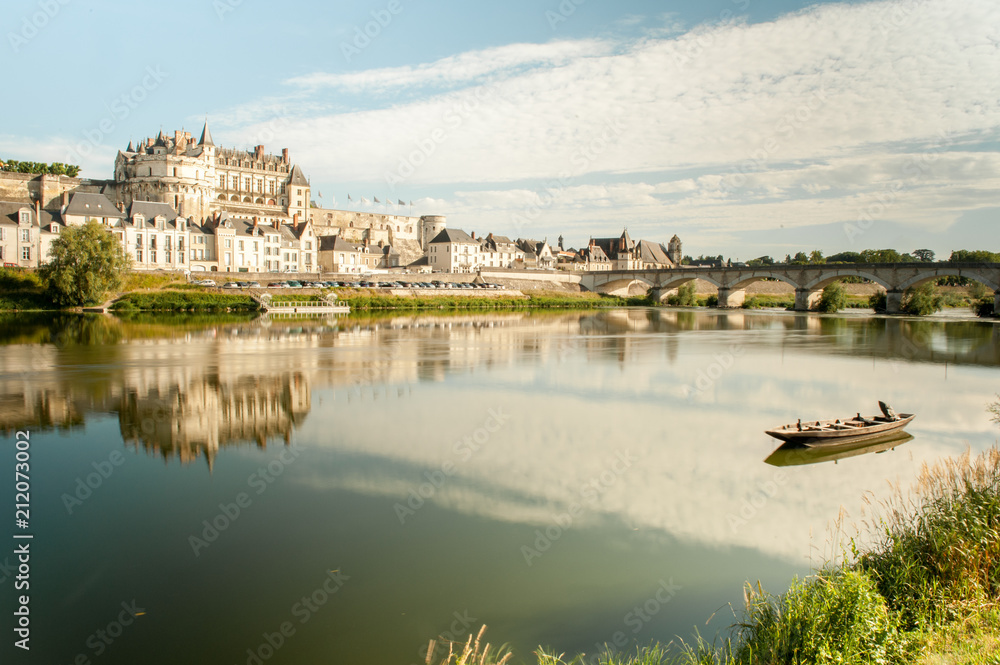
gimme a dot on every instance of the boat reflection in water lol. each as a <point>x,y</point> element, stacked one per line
<point>793,454</point>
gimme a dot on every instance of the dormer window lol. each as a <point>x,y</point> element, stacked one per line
<point>25,217</point>
<point>55,228</point>
<point>138,219</point>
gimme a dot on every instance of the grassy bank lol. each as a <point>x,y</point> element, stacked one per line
<point>22,290</point>
<point>184,301</point>
<point>927,591</point>
<point>368,300</point>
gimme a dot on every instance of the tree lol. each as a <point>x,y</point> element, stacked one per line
<point>816,256</point>
<point>760,261</point>
<point>86,263</point>
<point>924,255</point>
<point>885,256</point>
<point>834,298</point>
<point>56,168</point>
<point>800,258</point>
<point>922,300</point>
<point>845,257</point>
<point>974,256</point>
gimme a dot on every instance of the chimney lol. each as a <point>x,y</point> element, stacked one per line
<point>259,152</point>
<point>284,155</point>
<point>473,235</point>
<point>65,199</point>
<point>255,220</point>
<point>277,225</point>
<point>295,222</point>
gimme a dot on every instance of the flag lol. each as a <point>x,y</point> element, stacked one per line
<point>321,194</point>
<point>364,201</point>
<point>376,200</point>
<point>349,198</point>
<point>401,203</point>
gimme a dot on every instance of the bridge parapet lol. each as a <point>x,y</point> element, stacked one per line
<point>807,280</point>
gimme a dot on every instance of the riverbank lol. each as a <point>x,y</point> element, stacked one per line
<point>927,591</point>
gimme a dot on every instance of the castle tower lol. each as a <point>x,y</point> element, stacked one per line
<point>674,250</point>
<point>430,226</point>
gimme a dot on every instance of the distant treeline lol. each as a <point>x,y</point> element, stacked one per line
<point>39,168</point>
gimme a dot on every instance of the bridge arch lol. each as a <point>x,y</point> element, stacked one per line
<point>975,275</point>
<point>823,280</point>
<point>623,284</point>
<point>741,284</point>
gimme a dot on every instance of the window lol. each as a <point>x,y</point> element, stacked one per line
<point>1,233</point>
<point>152,256</point>
<point>138,255</point>
<point>309,244</point>
<point>25,235</point>
<point>229,258</point>
<point>222,182</point>
<point>246,181</point>
<point>26,218</point>
<point>241,246</point>
<point>175,172</point>
<point>55,228</point>
<point>256,246</point>
<point>152,242</point>
<point>236,182</point>
<point>229,243</point>
<point>271,187</point>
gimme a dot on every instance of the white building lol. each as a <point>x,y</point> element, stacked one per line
<point>453,250</point>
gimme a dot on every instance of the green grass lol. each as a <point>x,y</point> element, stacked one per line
<point>22,290</point>
<point>180,301</point>
<point>364,299</point>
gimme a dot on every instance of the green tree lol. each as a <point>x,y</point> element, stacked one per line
<point>816,256</point>
<point>86,263</point>
<point>921,300</point>
<point>924,255</point>
<point>885,256</point>
<point>845,257</point>
<point>760,261</point>
<point>685,296</point>
<point>800,258</point>
<point>974,256</point>
<point>834,298</point>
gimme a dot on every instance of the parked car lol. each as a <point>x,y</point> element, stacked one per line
<point>231,285</point>
<point>253,285</point>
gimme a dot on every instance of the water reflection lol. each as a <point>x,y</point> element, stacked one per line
<point>386,411</point>
<point>790,454</point>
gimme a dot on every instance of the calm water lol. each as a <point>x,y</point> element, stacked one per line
<point>342,491</point>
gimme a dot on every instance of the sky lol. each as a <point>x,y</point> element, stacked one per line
<point>746,127</point>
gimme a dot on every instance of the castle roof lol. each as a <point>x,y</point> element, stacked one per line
<point>298,178</point>
<point>206,136</point>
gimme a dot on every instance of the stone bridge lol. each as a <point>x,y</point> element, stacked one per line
<point>807,280</point>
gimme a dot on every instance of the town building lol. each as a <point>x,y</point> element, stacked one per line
<point>453,250</point>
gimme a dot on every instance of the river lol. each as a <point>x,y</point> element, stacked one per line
<point>342,490</point>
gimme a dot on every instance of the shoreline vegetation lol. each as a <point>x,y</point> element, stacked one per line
<point>25,291</point>
<point>927,591</point>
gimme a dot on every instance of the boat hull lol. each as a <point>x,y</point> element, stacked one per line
<point>839,431</point>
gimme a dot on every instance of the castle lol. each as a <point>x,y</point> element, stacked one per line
<point>205,188</point>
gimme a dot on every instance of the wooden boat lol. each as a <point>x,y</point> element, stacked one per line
<point>847,429</point>
<point>795,454</point>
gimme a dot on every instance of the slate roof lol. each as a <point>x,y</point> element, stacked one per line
<point>95,205</point>
<point>151,209</point>
<point>9,214</point>
<point>298,178</point>
<point>206,136</point>
<point>651,252</point>
<point>454,235</point>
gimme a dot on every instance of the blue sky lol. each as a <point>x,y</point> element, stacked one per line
<point>747,128</point>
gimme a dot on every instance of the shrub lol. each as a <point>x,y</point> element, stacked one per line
<point>877,301</point>
<point>836,617</point>
<point>834,298</point>
<point>922,300</point>
<point>685,296</point>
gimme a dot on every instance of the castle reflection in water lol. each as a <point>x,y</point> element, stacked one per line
<point>185,391</point>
